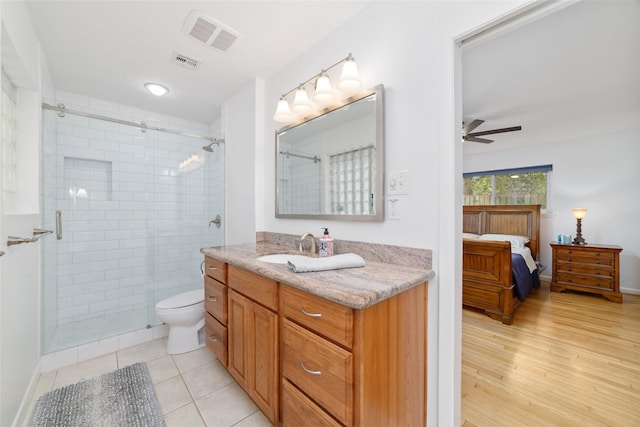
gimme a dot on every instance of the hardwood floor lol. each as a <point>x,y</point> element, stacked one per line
<point>568,359</point>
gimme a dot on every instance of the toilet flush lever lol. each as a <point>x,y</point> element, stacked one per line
<point>217,221</point>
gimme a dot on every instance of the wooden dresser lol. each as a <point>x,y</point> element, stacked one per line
<point>587,268</point>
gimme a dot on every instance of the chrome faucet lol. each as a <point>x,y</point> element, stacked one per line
<point>314,243</point>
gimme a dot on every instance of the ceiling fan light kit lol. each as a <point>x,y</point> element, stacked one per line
<point>468,135</point>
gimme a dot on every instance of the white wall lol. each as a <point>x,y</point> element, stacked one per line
<point>239,127</point>
<point>599,173</point>
<point>407,46</point>
<point>20,266</point>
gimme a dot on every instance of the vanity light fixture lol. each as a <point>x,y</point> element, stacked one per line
<point>323,93</point>
<point>156,89</point>
<point>578,214</point>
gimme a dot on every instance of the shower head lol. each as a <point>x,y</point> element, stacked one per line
<point>209,147</point>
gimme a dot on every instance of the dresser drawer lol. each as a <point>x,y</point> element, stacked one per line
<point>592,269</point>
<point>258,288</point>
<point>299,411</point>
<point>216,269</point>
<point>329,319</point>
<point>216,338</point>
<point>586,280</point>
<point>321,369</point>
<point>215,299</point>
<point>587,258</point>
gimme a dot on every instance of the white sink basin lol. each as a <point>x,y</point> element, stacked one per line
<point>276,258</point>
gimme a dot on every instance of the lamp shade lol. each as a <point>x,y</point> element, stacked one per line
<point>323,94</point>
<point>349,78</point>
<point>579,213</point>
<point>301,104</point>
<point>283,113</point>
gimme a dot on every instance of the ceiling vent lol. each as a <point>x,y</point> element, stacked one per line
<point>185,61</point>
<point>209,31</point>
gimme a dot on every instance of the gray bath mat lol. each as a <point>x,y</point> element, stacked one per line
<point>125,398</point>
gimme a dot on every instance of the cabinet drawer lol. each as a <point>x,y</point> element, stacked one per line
<point>258,288</point>
<point>321,369</point>
<point>593,269</point>
<point>586,258</point>
<point>215,299</point>
<point>332,320</point>
<point>216,338</point>
<point>586,280</point>
<point>216,269</point>
<point>300,411</point>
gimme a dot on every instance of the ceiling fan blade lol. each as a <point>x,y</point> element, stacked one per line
<point>466,128</point>
<point>494,131</point>
<point>474,139</point>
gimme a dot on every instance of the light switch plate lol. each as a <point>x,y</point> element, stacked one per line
<point>398,182</point>
<point>393,209</point>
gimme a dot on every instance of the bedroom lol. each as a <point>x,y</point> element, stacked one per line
<point>580,114</point>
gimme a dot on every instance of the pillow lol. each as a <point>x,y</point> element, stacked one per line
<point>470,236</point>
<point>516,241</point>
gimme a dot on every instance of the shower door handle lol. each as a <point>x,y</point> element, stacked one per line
<point>59,225</point>
<point>217,221</point>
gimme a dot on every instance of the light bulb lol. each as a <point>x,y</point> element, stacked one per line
<point>301,104</point>
<point>349,78</point>
<point>156,89</point>
<point>323,94</point>
<point>283,113</point>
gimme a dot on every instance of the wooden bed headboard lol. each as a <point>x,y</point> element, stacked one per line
<point>520,220</point>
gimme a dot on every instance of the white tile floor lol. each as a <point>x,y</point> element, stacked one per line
<point>193,388</point>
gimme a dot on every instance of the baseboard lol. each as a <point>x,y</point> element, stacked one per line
<point>23,409</point>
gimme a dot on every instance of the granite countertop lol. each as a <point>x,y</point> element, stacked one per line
<point>352,287</point>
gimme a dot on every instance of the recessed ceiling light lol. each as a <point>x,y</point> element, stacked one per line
<point>156,89</point>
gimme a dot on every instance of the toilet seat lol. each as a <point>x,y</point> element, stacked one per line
<point>184,299</point>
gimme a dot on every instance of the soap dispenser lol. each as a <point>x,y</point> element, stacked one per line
<point>326,243</point>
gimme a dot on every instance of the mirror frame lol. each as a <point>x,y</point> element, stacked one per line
<point>378,187</point>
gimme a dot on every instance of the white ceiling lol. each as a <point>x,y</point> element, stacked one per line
<point>568,75</point>
<point>109,49</point>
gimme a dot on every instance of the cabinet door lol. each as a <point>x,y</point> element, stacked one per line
<point>263,359</point>
<point>237,330</point>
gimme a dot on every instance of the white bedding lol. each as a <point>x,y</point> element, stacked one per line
<point>528,259</point>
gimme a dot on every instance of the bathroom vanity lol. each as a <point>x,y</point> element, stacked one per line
<point>334,348</point>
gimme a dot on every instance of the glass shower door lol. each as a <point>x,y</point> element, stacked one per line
<point>135,210</point>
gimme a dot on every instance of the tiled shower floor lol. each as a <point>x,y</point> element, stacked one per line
<point>193,388</point>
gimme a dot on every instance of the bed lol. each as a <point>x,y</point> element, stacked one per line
<point>493,278</point>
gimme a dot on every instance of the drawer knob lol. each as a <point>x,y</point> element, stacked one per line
<point>309,371</point>
<point>310,314</point>
<point>213,338</point>
<point>569,259</point>
<point>212,299</point>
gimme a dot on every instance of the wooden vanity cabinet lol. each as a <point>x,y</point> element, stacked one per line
<point>355,367</point>
<point>215,303</point>
<point>253,338</point>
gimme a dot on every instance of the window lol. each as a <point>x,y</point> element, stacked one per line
<point>519,186</point>
<point>352,181</point>
<point>9,120</point>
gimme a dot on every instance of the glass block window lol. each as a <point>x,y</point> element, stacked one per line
<point>9,124</point>
<point>352,181</point>
<point>518,186</point>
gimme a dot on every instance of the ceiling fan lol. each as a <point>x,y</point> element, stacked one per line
<point>467,135</point>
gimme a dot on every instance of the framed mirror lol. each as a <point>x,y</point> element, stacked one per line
<point>331,165</point>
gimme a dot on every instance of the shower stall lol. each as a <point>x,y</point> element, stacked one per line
<point>131,207</point>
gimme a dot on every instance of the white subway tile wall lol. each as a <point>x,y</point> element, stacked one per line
<point>134,218</point>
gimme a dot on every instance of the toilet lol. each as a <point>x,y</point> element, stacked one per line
<point>184,313</point>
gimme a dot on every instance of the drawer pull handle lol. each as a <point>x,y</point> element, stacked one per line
<point>213,338</point>
<point>212,268</point>
<point>569,259</point>
<point>310,314</point>
<point>212,299</point>
<point>309,371</point>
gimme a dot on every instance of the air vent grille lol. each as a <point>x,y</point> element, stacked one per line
<point>185,61</point>
<point>210,32</point>
<point>224,40</point>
